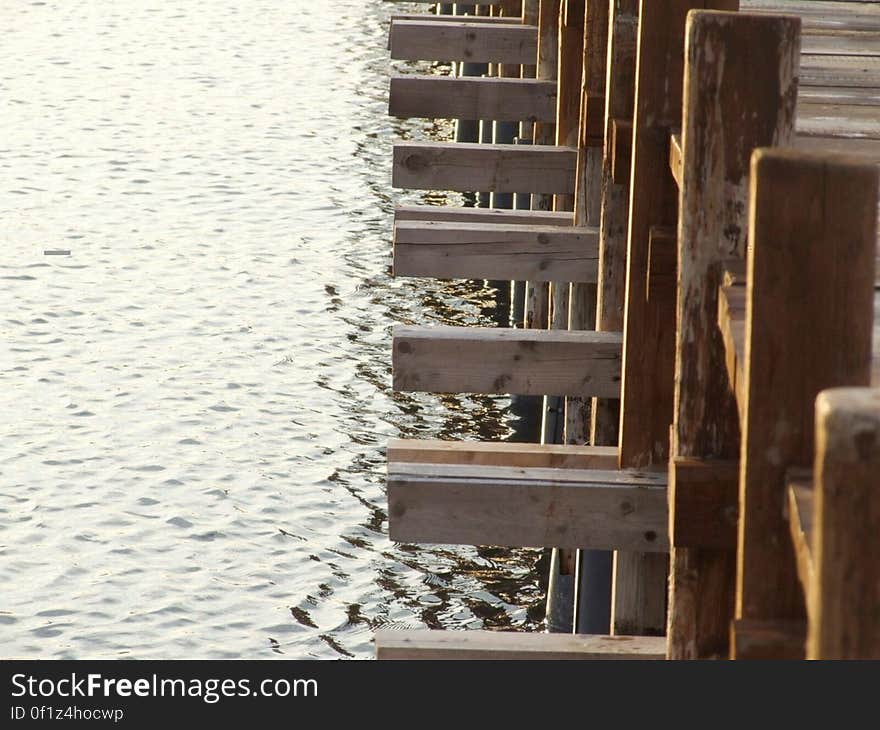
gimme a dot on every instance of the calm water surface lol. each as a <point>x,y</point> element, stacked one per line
<point>196,400</point>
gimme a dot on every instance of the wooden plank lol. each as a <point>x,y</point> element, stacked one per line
<point>841,71</point>
<point>495,251</point>
<point>845,621</point>
<point>730,108</point>
<point>704,495</point>
<point>484,167</point>
<point>496,645</point>
<point>450,214</point>
<point>799,503</point>
<point>454,18</point>
<point>502,453</point>
<point>432,40</point>
<point>836,95</point>
<point>813,237</point>
<point>523,362</point>
<point>448,97</point>
<point>821,42</point>
<point>816,14</point>
<point>513,507</point>
<point>838,120</point>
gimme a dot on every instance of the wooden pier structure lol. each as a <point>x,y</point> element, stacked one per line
<point>701,264</point>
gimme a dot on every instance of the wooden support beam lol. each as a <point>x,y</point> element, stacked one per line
<point>448,97</point>
<point>549,456</point>
<point>522,362</point>
<point>729,109</point>
<point>495,251</point>
<point>813,236</point>
<point>703,494</point>
<point>514,507</point>
<point>845,620</point>
<point>508,645</point>
<point>433,40</point>
<point>484,167</point>
<point>450,214</point>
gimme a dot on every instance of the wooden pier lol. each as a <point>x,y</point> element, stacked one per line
<point>701,265</point>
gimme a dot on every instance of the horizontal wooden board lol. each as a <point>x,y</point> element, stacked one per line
<point>494,360</point>
<point>501,453</point>
<point>496,251</point>
<point>466,167</point>
<point>434,40</point>
<point>515,507</point>
<point>819,14</point>
<point>841,71</point>
<point>416,644</point>
<point>452,214</point>
<point>838,120</point>
<point>447,97</point>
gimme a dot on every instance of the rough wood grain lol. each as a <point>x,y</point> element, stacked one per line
<point>433,40</point>
<point>551,456</point>
<point>845,620</point>
<point>448,97</point>
<point>495,645</point>
<point>507,506</point>
<point>495,251</point>
<point>450,214</point>
<point>729,109</point>
<point>483,167</point>
<point>703,498</point>
<point>523,362</point>
<point>813,235</point>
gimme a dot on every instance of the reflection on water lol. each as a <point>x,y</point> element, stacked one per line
<point>197,398</point>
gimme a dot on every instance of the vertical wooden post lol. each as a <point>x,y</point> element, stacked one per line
<point>538,294</point>
<point>809,317</point>
<point>844,615</point>
<point>739,93</point>
<point>646,394</point>
<point>569,74</point>
<point>593,580</point>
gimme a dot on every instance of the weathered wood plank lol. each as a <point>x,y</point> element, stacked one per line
<point>837,120</point>
<point>522,362</point>
<point>813,237</point>
<point>448,97</point>
<point>494,168</point>
<point>493,453</point>
<point>845,621</point>
<point>730,108</point>
<point>513,507</point>
<point>432,40</point>
<point>449,214</point>
<point>496,645</point>
<point>495,251</point>
<point>818,14</point>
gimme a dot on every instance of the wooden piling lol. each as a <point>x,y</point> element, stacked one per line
<point>844,616</point>
<point>809,321</point>
<point>730,108</point>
